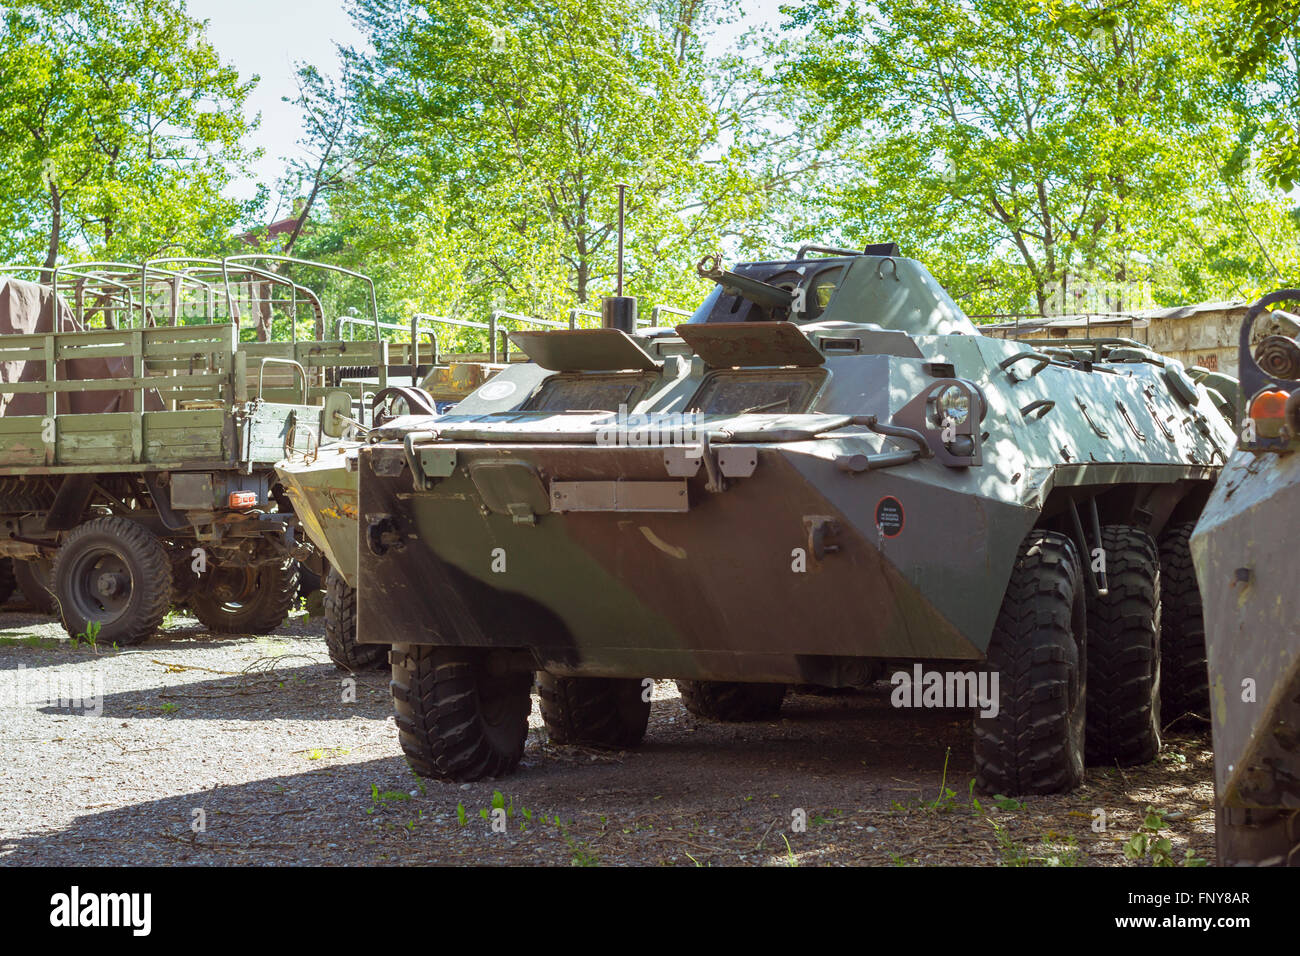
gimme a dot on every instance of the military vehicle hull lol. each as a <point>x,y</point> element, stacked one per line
<point>1244,553</point>
<point>826,472</point>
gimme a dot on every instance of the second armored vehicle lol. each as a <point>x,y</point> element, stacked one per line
<point>1244,550</point>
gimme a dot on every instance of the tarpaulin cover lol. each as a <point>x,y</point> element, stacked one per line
<point>28,308</point>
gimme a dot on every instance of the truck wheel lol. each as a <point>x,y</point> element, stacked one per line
<point>112,580</point>
<point>7,582</point>
<point>33,576</point>
<point>731,701</point>
<point>341,628</point>
<point>1124,652</point>
<point>456,720</point>
<point>593,711</point>
<point>1035,742</point>
<point>1185,684</point>
<point>246,600</point>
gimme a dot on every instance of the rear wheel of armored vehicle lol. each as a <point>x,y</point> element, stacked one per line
<point>7,582</point>
<point>246,600</point>
<point>1123,725</point>
<point>1185,684</point>
<point>731,701</point>
<point>112,579</point>
<point>1035,743</point>
<point>33,577</point>
<point>594,711</point>
<point>341,628</point>
<point>459,717</point>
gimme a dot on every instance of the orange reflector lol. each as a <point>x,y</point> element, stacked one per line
<point>1269,405</point>
<point>243,499</point>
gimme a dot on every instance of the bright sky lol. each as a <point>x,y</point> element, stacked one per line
<point>268,37</point>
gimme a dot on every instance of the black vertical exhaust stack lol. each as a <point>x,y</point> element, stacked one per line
<point>619,311</point>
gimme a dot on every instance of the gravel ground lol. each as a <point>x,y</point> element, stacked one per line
<point>242,750</point>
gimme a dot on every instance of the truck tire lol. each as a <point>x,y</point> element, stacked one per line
<point>258,606</point>
<point>605,712</point>
<point>33,576</point>
<point>341,628</point>
<point>1124,652</point>
<point>7,582</point>
<point>116,574</point>
<point>731,701</point>
<point>1035,742</point>
<point>1185,682</point>
<point>455,719</point>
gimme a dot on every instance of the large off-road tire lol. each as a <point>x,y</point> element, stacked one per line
<point>456,719</point>
<point>33,576</point>
<point>731,701</point>
<point>1123,725</point>
<point>594,711</point>
<point>250,600</point>
<point>1185,678</point>
<point>7,582</point>
<point>114,574</point>
<point>309,581</point>
<point>1035,743</point>
<point>341,628</point>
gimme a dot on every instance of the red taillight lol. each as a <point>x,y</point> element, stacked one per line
<point>1268,410</point>
<point>243,499</point>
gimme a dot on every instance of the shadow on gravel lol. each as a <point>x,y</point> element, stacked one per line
<point>318,816</point>
<point>271,688</point>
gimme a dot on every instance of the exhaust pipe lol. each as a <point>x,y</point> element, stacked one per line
<point>618,311</point>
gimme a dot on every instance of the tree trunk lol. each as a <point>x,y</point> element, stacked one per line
<point>56,227</point>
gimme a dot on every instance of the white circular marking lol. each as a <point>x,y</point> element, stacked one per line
<point>495,391</point>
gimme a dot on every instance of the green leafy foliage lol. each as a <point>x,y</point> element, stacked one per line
<point>120,129</point>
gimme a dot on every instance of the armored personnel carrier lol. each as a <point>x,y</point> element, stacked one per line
<point>824,474</point>
<point>1244,554</point>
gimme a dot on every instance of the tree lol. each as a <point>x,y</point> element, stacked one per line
<point>487,140</point>
<point>1030,147</point>
<point>1261,43</point>
<point>119,127</point>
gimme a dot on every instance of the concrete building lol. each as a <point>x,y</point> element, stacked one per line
<point>1203,334</point>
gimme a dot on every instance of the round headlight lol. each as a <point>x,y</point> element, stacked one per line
<point>952,404</point>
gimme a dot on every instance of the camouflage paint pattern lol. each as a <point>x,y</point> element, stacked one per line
<point>799,545</point>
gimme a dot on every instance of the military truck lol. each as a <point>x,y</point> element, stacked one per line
<point>142,410</point>
<point>1244,554</point>
<point>825,475</point>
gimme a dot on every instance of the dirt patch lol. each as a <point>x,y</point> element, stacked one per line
<point>244,750</point>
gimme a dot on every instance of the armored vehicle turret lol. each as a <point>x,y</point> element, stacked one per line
<point>827,475</point>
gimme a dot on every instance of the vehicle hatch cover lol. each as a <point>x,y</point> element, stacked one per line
<point>751,344</point>
<point>584,350</point>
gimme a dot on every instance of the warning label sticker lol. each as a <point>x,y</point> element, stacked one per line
<point>889,516</point>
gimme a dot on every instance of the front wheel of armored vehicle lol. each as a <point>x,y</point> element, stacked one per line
<point>459,717</point>
<point>33,577</point>
<point>112,579</point>
<point>603,712</point>
<point>341,628</point>
<point>237,600</point>
<point>1185,684</point>
<point>1124,652</point>
<point>731,701</point>
<point>1034,744</point>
